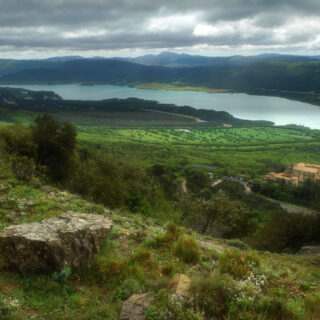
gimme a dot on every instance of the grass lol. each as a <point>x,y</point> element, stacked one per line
<point>177,141</point>
<point>248,151</point>
<point>142,256</point>
<point>211,137</point>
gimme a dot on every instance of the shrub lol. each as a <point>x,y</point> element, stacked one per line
<point>18,141</point>
<point>128,288</point>
<point>167,269</point>
<point>55,146</point>
<point>197,180</point>
<point>312,305</point>
<point>212,295</point>
<point>5,310</point>
<point>219,215</point>
<point>107,180</point>
<point>167,308</point>
<point>239,264</point>
<point>187,249</point>
<point>143,257</point>
<point>23,168</point>
<point>172,234</point>
<point>289,231</point>
<point>274,308</point>
<point>110,269</point>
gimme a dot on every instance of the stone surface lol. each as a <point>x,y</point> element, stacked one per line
<point>68,240</point>
<point>135,307</point>
<point>313,250</point>
<point>180,285</point>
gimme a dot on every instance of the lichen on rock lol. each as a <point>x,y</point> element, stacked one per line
<point>71,239</point>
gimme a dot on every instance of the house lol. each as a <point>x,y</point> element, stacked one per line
<point>296,174</point>
<point>305,171</point>
<point>282,177</point>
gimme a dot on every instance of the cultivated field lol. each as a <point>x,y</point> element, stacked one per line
<point>230,150</point>
<point>150,138</point>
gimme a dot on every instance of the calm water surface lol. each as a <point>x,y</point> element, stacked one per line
<point>279,110</point>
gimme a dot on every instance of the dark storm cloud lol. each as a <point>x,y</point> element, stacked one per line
<point>81,25</point>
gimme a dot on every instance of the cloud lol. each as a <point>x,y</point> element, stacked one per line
<point>110,27</point>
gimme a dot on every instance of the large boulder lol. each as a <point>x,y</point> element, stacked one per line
<point>310,250</point>
<point>70,240</point>
<point>135,307</point>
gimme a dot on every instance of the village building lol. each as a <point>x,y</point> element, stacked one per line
<point>296,174</point>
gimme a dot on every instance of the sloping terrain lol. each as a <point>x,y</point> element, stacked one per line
<point>143,256</point>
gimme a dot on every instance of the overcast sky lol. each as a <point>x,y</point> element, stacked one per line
<point>42,28</point>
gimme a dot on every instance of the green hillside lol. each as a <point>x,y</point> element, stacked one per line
<point>142,256</point>
<point>272,76</point>
<point>197,232</point>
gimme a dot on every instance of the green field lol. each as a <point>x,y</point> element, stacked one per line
<point>175,140</point>
<point>219,137</point>
<point>247,151</point>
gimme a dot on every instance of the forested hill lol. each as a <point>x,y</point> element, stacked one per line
<point>170,59</point>
<point>285,74</point>
<point>12,99</point>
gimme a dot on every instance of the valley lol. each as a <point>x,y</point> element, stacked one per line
<point>174,182</point>
<point>159,160</point>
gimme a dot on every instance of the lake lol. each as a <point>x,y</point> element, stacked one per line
<point>279,110</point>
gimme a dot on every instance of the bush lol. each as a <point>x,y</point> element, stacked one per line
<point>128,288</point>
<point>312,305</point>
<point>187,249</point>
<point>274,308</point>
<point>167,239</point>
<point>289,231</point>
<point>107,180</point>
<point>18,141</point>
<point>110,269</point>
<point>220,216</point>
<point>239,264</point>
<point>197,180</point>
<point>5,310</point>
<point>168,308</point>
<point>143,257</point>
<point>213,295</point>
<point>23,168</point>
<point>55,146</point>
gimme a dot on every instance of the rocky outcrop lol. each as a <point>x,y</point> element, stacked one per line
<point>135,307</point>
<point>68,240</point>
<point>311,250</point>
<point>180,285</point>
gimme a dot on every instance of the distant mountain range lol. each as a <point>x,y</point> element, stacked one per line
<point>263,72</point>
<point>169,59</point>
